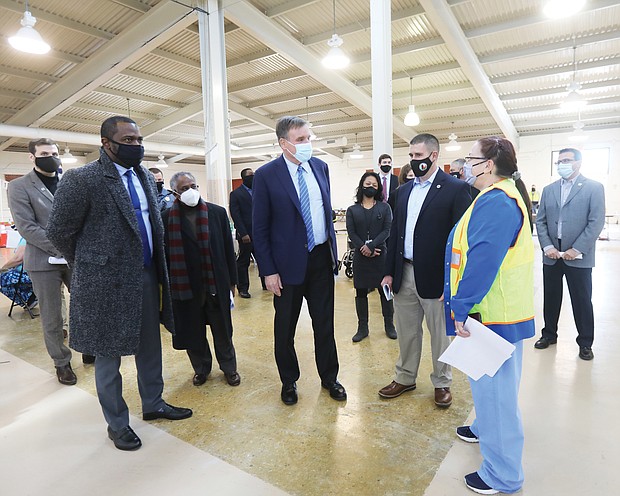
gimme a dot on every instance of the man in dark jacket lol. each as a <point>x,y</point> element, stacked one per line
<point>241,213</point>
<point>106,223</point>
<point>426,210</point>
<point>203,274</point>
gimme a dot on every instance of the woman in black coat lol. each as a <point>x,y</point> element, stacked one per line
<point>368,226</point>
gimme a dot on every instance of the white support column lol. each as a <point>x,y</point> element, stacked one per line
<point>215,101</point>
<point>381,59</point>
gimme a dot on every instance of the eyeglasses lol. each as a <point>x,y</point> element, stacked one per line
<point>467,159</point>
<point>565,161</point>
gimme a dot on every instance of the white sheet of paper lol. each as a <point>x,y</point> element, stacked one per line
<point>578,257</point>
<point>388,292</point>
<point>483,352</point>
<point>56,261</point>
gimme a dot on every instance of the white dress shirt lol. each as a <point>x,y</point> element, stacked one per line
<point>144,204</point>
<point>416,199</point>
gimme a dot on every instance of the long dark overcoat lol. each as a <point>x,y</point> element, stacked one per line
<point>94,226</point>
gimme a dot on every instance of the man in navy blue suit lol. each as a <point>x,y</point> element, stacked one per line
<point>295,246</point>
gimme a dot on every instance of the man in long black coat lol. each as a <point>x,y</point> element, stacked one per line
<point>203,274</point>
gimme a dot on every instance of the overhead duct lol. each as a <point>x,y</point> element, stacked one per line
<point>59,136</point>
<point>275,149</point>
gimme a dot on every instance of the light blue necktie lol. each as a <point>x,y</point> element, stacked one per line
<point>304,200</point>
<point>135,201</point>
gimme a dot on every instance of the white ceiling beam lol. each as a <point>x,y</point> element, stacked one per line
<point>421,71</point>
<point>553,71</point>
<point>252,115</point>
<point>108,109</point>
<point>132,4</point>
<point>177,158</point>
<point>21,73</point>
<point>176,58</point>
<point>556,90</point>
<point>439,14</point>
<point>292,73</point>
<point>148,32</point>
<point>17,94</point>
<point>288,97</point>
<point>289,6</point>
<point>134,96</point>
<point>161,80</point>
<point>555,106</point>
<point>172,119</point>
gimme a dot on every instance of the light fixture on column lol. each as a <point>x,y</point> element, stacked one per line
<point>574,100</point>
<point>412,118</point>
<point>28,39</point>
<point>312,135</point>
<point>357,150</point>
<point>452,145</point>
<point>556,9</point>
<point>161,163</point>
<point>335,58</point>
<point>67,157</point>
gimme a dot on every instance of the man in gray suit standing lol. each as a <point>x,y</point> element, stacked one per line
<point>30,201</point>
<point>106,222</point>
<point>571,215</point>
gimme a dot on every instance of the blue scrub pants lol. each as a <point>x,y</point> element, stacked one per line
<point>498,425</point>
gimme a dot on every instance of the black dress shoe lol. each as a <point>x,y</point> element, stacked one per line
<point>585,353</point>
<point>88,359</point>
<point>168,412</point>
<point>66,375</point>
<point>544,343</point>
<point>336,390</point>
<point>289,393</point>
<point>199,379</point>
<point>125,439</point>
<point>232,378</point>
<point>245,294</point>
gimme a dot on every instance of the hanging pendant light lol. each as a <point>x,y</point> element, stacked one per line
<point>161,163</point>
<point>452,145</point>
<point>556,9</point>
<point>578,135</point>
<point>574,100</point>
<point>357,150</point>
<point>28,39</point>
<point>67,157</point>
<point>335,58</point>
<point>412,118</point>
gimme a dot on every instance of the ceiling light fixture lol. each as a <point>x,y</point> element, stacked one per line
<point>357,150</point>
<point>412,118</point>
<point>452,145</point>
<point>556,9</point>
<point>161,163</point>
<point>67,157</point>
<point>578,135</point>
<point>28,39</point>
<point>574,100</point>
<point>335,58</point>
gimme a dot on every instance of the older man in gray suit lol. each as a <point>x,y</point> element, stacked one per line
<point>30,201</point>
<point>106,222</point>
<point>571,215</point>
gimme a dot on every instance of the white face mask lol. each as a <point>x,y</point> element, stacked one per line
<point>303,151</point>
<point>190,197</point>
<point>565,170</point>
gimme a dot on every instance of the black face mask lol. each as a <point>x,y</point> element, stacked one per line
<point>128,155</point>
<point>248,181</point>
<point>369,192</point>
<point>407,179</point>
<point>386,168</point>
<point>48,164</point>
<point>160,186</point>
<point>422,166</point>
<point>456,174</point>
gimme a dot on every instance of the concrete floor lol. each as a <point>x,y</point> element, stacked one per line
<point>244,441</point>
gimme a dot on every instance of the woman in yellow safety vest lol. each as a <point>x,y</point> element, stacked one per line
<point>490,256</point>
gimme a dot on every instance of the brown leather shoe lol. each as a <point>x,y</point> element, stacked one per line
<point>66,375</point>
<point>232,378</point>
<point>443,397</point>
<point>394,389</point>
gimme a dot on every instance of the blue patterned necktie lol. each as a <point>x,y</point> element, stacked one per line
<point>135,201</point>
<point>304,200</point>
